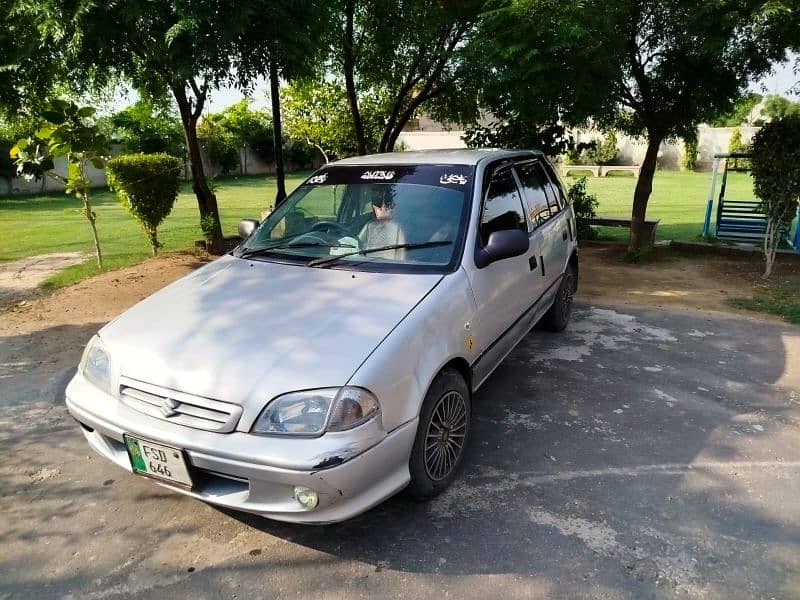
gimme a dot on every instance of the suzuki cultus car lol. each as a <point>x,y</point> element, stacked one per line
<point>330,360</point>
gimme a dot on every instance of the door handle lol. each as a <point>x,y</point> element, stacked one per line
<point>564,235</point>
<point>532,263</point>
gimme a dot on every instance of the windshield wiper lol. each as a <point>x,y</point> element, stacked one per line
<point>266,249</point>
<point>317,262</point>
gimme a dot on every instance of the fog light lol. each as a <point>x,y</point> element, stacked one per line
<point>306,497</point>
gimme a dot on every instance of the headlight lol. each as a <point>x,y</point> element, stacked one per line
<point>315,411</point>
<point>96,365</point>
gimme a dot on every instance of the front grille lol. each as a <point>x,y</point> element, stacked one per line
<point>180,408</point>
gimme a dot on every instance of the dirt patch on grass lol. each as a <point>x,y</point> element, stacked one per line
<point>20,279</point>
<point>99,298</point>
<point>679,279</point>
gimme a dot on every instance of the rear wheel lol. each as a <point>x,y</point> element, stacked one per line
<point>442,435</point>
<point>557,316</point>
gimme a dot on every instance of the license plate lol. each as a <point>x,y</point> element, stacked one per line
<point>158,461</point>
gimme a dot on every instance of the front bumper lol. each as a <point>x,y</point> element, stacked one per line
<point>229,471</point>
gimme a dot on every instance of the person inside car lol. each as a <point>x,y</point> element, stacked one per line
<point>383,230</point>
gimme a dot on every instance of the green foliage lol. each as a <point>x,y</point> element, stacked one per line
<point>318,113</point>
<point>68,133</point>
<point>220,145</point>
<point>147,186</point>
<point>776,175</point>
<point>605,151</point>
<point>415,55</point>
<point>689,160</point>
<point>585,206</point>
<point>737,144</point>
<point>775,299</point>
<point>144,127</point>
<point>777,107</point>
<point>299,152</point>
<point>517,132</point>
<point>225,136</point>
<point>670,64</point>
<point>740,113</point>
<point>30,65</point>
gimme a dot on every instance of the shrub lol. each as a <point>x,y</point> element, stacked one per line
<point>605,150</point>
<point>220,145</point>
<point>737,145</point>
<point>689,161</point>
<point>776,179</point>
<point>147,186</point>
<point>584,204</point>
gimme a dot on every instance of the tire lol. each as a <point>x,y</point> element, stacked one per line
<point>444,420</point>
<point>557,316</point>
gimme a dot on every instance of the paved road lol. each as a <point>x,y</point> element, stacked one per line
<point>641,454</point>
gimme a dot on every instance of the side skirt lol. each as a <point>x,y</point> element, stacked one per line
<point>491,358</point>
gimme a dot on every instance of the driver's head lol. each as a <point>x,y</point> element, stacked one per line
<point>383,203</point>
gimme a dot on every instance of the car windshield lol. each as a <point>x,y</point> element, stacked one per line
<point>407,218</point>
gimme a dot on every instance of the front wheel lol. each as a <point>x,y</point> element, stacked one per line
<point>442,435</point>
<point>557,316</point>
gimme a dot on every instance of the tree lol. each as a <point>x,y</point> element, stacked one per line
<point>149,128</point>
<point>246,127</point>
<point>285,43</point>
<point>220,145</point>
<point>740,113</point>
<point>776,178</point>
<point>69,134</point>
<point>777,107</point>
<point>411,53</point>
<point>182,48</point>
<point>30,67</point>
<point>318,112</point>
<point>663,66</point>
<point>147,186</point>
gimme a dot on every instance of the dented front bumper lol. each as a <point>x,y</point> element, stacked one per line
<point>350,471</point>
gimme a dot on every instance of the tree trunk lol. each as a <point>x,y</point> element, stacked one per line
<point>280,176</point>
<point>771,242</point>
<point>349,78</point>
<point>644,186</point>
<point>206,200</point>
<point>87,207</point>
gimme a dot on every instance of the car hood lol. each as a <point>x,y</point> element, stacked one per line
<point>245,331</point>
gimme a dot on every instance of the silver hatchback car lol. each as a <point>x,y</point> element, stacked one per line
<point>330,360</point>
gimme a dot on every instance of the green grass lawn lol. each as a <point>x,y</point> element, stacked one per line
<point>678,200</point>
<point>31,225</point>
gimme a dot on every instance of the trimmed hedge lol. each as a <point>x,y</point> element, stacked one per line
<point>147,185</point>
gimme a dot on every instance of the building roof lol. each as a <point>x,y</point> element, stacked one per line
<point>458,156</point>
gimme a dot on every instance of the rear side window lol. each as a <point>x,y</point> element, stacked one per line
<point>533,186</point>
<point>502,208</point>
<point>556,184</point>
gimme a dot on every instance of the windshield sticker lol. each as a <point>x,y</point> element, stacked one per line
<point>318,178</point>
<point>452,178</point>
<point>382,175</point>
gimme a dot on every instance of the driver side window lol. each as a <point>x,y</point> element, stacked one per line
<point>502,207</point>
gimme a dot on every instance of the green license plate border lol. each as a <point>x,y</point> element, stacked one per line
<point>187,464</point>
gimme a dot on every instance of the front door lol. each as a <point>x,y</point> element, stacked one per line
<point>504,290</point>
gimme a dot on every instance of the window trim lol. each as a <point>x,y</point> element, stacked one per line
<point>556,182</point>
<point>491,172</point>
<point>536,162</point>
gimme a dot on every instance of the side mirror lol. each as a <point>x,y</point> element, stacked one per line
<point>502,244</point>
<point>247,227</point>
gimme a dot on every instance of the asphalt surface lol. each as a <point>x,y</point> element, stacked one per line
<point>641,453</point>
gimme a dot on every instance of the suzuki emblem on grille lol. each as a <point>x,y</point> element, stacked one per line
<point>168,407</point>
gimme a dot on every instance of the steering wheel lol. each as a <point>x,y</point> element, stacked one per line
<point>331,227</point>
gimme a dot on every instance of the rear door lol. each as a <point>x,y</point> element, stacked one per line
<point>548,219</point>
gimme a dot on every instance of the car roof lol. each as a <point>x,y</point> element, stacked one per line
<point>459,156</point>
